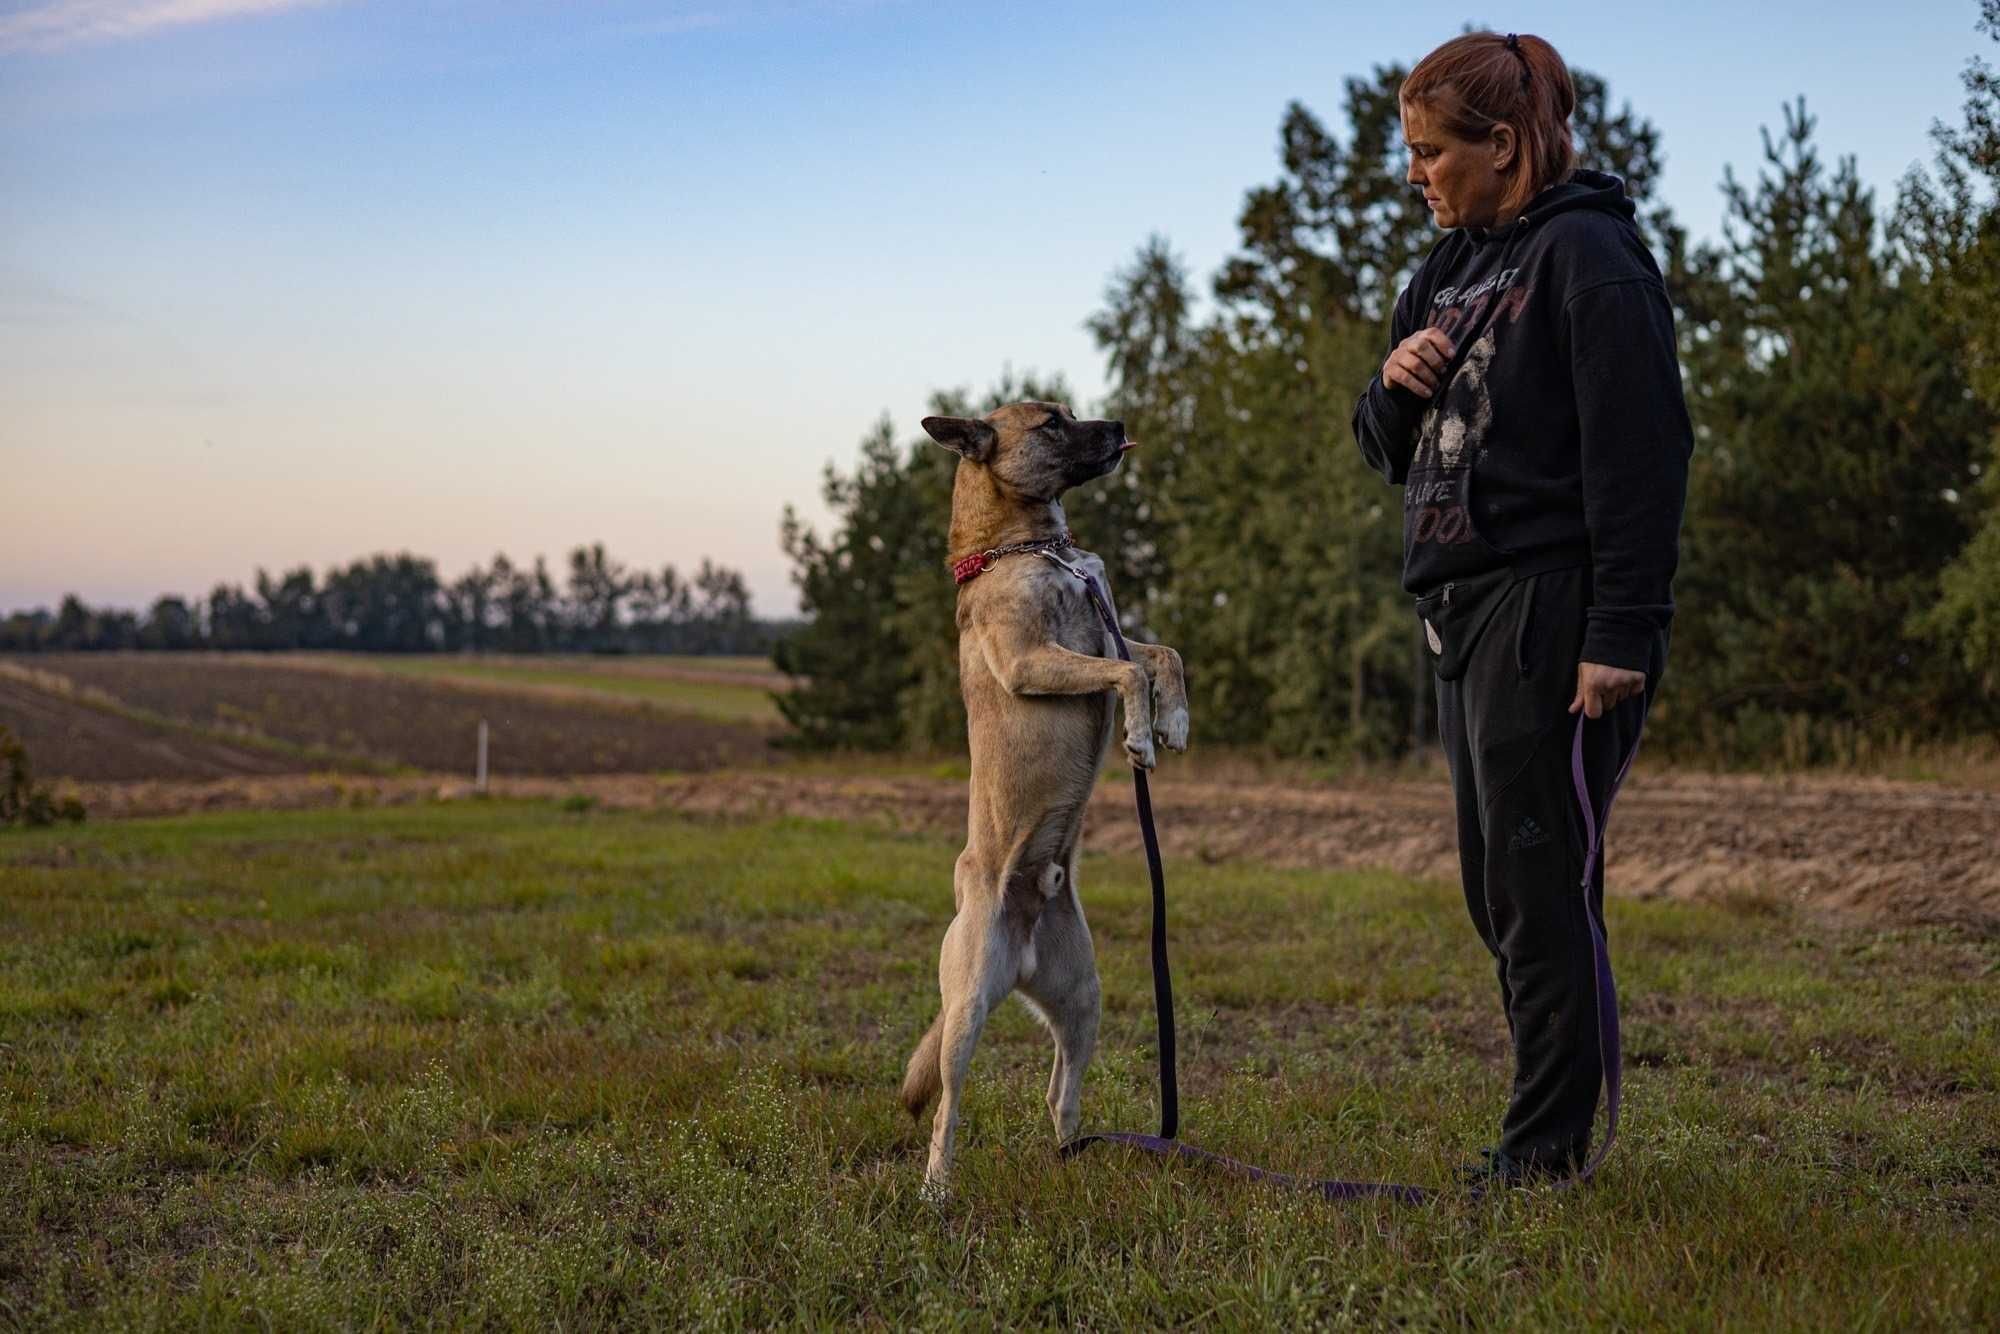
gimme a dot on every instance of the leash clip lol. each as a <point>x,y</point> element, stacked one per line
<point>1065,566</point>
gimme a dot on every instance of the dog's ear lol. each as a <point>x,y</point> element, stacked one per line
<point>967,437</point>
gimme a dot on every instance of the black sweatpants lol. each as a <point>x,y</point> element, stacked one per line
<point>1507,735</point>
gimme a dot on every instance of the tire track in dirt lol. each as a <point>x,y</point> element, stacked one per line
<point>1890,852</point>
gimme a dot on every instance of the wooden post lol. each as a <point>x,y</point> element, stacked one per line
<point>479,779</point>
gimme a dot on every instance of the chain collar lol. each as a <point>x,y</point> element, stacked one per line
<point>979,562</point>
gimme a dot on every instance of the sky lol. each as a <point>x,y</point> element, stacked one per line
<point>291,282</point>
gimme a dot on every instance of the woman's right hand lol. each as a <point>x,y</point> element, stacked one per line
<point>1417,362</point>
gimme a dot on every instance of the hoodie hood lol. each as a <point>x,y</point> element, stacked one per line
<point>1584,188</point>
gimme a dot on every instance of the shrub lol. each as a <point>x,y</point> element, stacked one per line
<point>22,800</point>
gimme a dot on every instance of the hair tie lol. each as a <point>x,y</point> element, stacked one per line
<point>1514,45</point>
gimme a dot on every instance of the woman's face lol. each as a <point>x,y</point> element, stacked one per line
<point>1462,179</point>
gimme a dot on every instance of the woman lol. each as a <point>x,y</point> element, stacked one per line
<point>1531,408</point>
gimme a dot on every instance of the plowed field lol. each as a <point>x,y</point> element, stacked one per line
<point>377,719</point>
<point>67,739</point>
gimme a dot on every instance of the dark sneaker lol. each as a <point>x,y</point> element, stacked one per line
<point>1496,1168</point>
<point>1491,1169</point>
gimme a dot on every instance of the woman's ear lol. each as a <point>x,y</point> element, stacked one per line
<point>1505,145</point>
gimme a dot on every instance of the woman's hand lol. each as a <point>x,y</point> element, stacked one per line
<point>1417,362</point>
<point>1599,688</point>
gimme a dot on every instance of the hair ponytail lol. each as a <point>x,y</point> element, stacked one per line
<point>1475,82</point>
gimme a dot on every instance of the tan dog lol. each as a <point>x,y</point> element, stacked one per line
<point>1039,673</point>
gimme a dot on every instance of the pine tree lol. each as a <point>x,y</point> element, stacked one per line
<point>1833,434</point>
<point>1952,228</point>
<point>852,663</point>
<point>1147,335</point>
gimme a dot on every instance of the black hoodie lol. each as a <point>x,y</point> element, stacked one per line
<point>1560,436</point>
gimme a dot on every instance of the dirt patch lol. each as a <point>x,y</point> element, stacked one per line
<point>1868,847</point>
<point>1861,848</point>
<point>380,718</point>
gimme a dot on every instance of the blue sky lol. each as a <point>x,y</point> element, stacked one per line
<point>290,282</point>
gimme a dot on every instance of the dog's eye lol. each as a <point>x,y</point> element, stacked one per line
<point>1054,423</point>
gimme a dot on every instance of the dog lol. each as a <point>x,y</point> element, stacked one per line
<point>1040,674</point>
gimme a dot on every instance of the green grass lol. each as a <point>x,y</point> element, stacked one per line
<point>515,1065</point>
<point>722,701</point>
<point>719,662</point>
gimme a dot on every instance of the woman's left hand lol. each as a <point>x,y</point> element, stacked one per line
<point>1600,688</point>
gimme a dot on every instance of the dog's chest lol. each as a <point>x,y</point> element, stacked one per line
<point>1079,626</point>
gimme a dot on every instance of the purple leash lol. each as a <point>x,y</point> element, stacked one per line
<point>1166,1143</point>
<point>1608,1047</point>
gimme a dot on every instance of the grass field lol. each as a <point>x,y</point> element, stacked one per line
<point>700,686</point>
<point>521,1065</point>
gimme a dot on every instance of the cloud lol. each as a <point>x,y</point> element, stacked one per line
<point>59,23</point>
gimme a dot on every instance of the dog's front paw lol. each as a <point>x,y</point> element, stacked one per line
<point>1172,731</point>
<point>1139,750</point>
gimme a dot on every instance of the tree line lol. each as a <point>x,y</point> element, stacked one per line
<point>1839,585</point>
<point>398,604</point>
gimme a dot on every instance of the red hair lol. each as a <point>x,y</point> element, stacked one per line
<point>1482,79</point>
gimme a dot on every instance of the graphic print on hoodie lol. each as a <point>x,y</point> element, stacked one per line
<point>1438,493</point>
<point>1559,434</point>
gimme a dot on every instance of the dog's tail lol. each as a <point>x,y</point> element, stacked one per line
<point>923,1077</point>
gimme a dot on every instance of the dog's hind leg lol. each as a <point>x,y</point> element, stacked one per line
<point>1063,990</point>
<point>976,970</point>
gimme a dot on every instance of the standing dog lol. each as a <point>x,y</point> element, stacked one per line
<point>1039,672</point>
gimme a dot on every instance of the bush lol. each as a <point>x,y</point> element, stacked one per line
<point>22,800</point>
